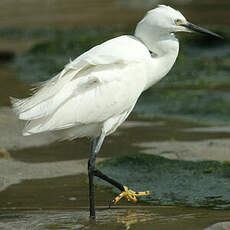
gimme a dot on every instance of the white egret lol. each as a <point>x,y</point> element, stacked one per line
<point>97,91</point>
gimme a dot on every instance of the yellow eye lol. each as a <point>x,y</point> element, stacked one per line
<point>178,21</point>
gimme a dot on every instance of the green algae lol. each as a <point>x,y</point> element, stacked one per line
<point>173,182</point>
<point>198,105</point>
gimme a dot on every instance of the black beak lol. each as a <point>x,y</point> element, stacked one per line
<point>193,27</point>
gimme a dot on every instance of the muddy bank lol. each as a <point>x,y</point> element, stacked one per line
<point>216,150</point>
<point>13,172</point>
<point>11,132</point>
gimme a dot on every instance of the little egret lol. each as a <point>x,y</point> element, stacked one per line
<point>96,92</point>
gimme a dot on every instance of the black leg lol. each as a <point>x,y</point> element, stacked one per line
<point>91,191</point>
<point>102,176</point>
<point>92,171</point>
<point>91,167</point>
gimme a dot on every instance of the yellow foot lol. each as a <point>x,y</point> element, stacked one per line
<point>130,195</point>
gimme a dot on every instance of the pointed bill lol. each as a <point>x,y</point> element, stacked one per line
<point>196,28</point>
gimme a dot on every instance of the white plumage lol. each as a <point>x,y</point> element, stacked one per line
<point>98,90</point>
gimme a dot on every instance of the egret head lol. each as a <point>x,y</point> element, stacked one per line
<point>165,20</point>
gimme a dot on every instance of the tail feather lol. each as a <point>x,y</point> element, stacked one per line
<point>42,125</point>
<point>47,96</point>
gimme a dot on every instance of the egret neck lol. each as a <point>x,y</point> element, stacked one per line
<point>164,48</point>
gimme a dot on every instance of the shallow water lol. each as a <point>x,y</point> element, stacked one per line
<point>115,218</point>
<point>45,187</point>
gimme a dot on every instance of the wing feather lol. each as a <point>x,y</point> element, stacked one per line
<point>93,82</point>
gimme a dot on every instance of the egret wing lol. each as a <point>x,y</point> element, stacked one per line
<point>95,100</point>
<point>98,73</point>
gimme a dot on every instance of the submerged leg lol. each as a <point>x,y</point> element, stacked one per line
<point>91,167</point>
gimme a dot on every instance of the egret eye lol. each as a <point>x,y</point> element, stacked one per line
<point>178,21</point>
